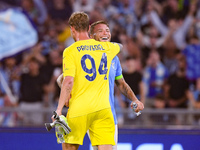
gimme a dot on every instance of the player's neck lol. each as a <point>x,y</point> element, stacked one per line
<point>82,36</point>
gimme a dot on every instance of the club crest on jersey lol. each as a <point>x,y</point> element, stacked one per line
<point>113,65</point>
<point>65,67</point>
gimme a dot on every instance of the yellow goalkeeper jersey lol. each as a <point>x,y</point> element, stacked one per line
<point>89,61</point>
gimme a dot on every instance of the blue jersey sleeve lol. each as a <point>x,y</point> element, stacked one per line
<point>118,74</point>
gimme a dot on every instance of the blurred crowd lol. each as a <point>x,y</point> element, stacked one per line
<point>160,59</point>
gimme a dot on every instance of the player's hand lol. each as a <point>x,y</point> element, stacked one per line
<point>140,106</point>
<point>52,118</point>
<point>58,113</point>
<point>67,102</point>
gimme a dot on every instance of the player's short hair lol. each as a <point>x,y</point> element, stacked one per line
<point>96,23</point>
<point>80,21</point>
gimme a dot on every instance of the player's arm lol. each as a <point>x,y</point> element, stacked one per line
<point>66,89</point>
<point>120,46</point>
<point>142,92</point>
<point>127,91</point>
<point>68,79</point>
<point>59,82</point>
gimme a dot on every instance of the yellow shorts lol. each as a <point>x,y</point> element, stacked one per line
<point>100,124</point>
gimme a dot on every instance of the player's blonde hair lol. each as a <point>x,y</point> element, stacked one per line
<point>91,32</point>
<point>80,21</point>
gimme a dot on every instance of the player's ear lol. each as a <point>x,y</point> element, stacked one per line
<point>72,28</point>
<point>92,36</point>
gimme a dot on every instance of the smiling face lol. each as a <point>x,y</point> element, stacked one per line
<point>101,33</point>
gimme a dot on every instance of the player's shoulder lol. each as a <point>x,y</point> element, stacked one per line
<point>95,42</point>
<point>70,48</point>
<point>115,45</point>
